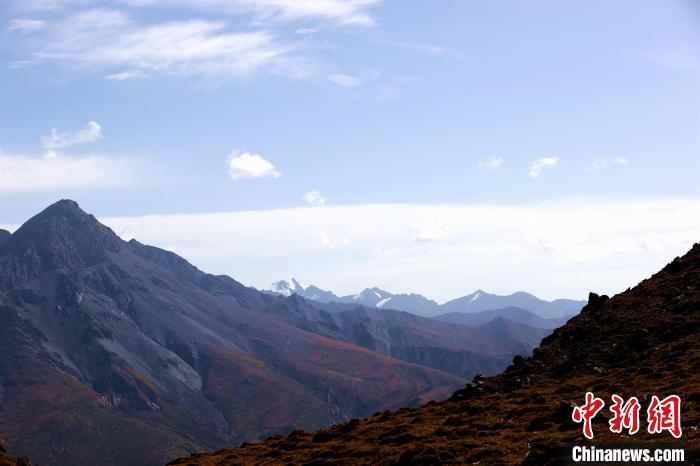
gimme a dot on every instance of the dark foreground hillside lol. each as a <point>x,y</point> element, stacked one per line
<point>643,342</point>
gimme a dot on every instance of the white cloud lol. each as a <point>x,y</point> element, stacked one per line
<point>540,164</point>
<point>55,140</point>
<point>601,164</point>
<point>428,230</point>
<point>26,25</point>
<point>111,41</point>
<point>45,5</point>
<point>51,171</point>
<point>306,31</point>
<point>247,165</point>
<point>426,49</point>
<point>314,198</point>
<point>126,75</point>
<point>491,164</point>
<point>347,80</point>
<point>343,12</point>
<point>562,249</point>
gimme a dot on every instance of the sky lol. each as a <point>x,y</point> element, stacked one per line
<point>430,147</point>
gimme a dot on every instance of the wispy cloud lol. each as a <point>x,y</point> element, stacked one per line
<point>59,140</point>
<point>26,25</point>
<point>47,5</point>
<point>345,80</point>
<point>491,164</point>
<point>247,37</point>
<point>314,198</point>
<point>247,165</point>
<point>540,164</point>
<point>425,49</point>
<point>51,171</point>
<point>306,31</point>
<point>350,81</point>
<point>601,164</point>
<point>112,41</point>
<point>343,12</point>
<point>126,75</point>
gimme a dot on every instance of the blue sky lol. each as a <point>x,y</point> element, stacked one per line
<point>328,108</point>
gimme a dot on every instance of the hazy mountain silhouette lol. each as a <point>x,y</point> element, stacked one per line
<point>514,314</point>
<point>419,304</point>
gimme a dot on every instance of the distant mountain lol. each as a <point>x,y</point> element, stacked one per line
<point>482,301</point>
<point>641,343</point>
<point>420,305</point>
<point>414,303</point>
<point>457,349</point>
<point>292,286</point>
<point>117,352</point>
<point>514,314</point>
<point>372,297</point>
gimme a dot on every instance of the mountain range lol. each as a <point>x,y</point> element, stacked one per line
<point>117,352</point>
<point>514,314</point>
<point>420,305</point>
<point>641,343</point>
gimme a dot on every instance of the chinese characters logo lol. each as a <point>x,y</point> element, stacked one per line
<point>662,415</point>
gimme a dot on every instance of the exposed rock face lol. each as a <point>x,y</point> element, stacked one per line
<point>643,342</point>
<point>120,353</point>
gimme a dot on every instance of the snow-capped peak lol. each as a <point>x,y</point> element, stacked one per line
<point>476,296</point>
<point>288,287</point>
<point>383,302</point>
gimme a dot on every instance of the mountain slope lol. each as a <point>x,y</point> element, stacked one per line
<point>643,342</point>
<point>457,349</point>
<point>4,234</point>
<point>515,314</point>
<point>120,353</point>
<point>482,301</point>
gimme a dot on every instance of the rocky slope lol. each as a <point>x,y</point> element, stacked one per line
<point>643,342</point>
<point>120,353</point>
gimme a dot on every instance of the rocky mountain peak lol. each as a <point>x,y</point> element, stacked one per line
<point>62,236</point>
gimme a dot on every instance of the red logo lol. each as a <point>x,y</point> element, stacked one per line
<point>587,412</point>
<point>665,415</point>
<point>625,415</point>
<point>661,415</point>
